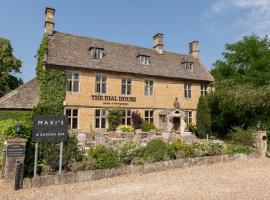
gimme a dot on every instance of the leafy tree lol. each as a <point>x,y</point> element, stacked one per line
<point>136,120</point>
<point>9,65</point>
<point>203,118</point>
<point>114,118</point>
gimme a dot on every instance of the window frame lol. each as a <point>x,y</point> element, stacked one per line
<point>189,66</point>
<point>97,53</point>
<point>100,117</point>
<point>149,115</point>
<point>126,118</point>
<point>188,116</point>
<point>148,86</point>
<point>100,83</point>
<point>187,90</point>
<point>72,117</point>
<point>144,60</point>
<point>72,80</point>
<point>126,85</point>
<point>204,89</point>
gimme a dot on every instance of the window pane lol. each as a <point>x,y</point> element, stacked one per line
<point>97,122</point>
<point>128,113</point>
<point>103,112</point>
<point>97,113</point>
<point>123,121</point>
<point>123,81</point>
<point>151,120</point>
<point>69,122</point>
<point>103,88</point>
<point>129,81</point>
<point>103,123</point>
<point>145,90</point>
<point>75,86</point>
<point>98,87</point>
<point>68,112</point>
<point>69,85</point>
<point>68,75</point>
<point>123,90</point>
<point>151,113</point>
<point>74,123</point>
<point>104,79</point>
<point>76,76</point>
<point>129,89</point>
<point>98,78</point>
<point>151,91</point>
<point>128,121</point>
<point>75,113</point>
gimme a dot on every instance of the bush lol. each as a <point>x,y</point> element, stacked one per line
<point>241,136</point>
<point>192,128</point>
<point>203,118</point>
<point>125,128</point>
<point>129,151</point>
<point>136,120</point>
<point>114,118</point>
<point>106,158</point>
<point>147,126</point>
<point>156,150</point>
<point>238,149</point>
<point>215,147</point>
<point>84,165</point>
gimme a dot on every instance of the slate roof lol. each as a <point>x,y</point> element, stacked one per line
<point>73,51</point>
<point>24,97</point>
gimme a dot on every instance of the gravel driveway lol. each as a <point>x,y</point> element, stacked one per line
<point>246,179</point>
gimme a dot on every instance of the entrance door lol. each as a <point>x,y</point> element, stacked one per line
<point>176,123</point>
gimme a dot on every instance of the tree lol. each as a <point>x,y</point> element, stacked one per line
<point>203,118</point>
<point>114,118</point>
<point>246,61</point>
<point>136,120</point>
<point>9,65</point>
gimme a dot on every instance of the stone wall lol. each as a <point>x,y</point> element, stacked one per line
<point>92,175</point>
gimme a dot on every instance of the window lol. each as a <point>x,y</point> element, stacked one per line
<point>149,116</point>
<point>72,115</point>
<point>188,117</point>
<point>189,66</point>
<point>97,53</point>
<point>100,118</point>
<point>187,90</point>
<point>203,89</point>
<point>126,118</point>
<point>72,82</point>
<point>148,87</point>
<point>144,60</point>
<point>126,86</point>
<point>101,84</point>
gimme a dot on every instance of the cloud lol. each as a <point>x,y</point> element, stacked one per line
<point>241,17</point>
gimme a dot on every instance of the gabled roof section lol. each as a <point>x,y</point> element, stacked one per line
<point>73,51</point>
<point>24,97</point>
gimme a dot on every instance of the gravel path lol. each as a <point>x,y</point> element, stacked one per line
<point>247,179</point>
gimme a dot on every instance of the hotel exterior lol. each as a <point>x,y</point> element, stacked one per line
<point>164,87</point>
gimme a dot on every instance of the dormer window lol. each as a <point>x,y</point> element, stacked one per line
<point>97,53</point>
<point>144,60</point>
<point>189,66</point>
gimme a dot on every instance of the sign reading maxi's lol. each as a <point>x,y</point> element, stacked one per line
<point>113,98</point>
<point>50,128</point>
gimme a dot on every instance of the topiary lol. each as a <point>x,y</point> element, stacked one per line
<point>114,118</point>
<point>156,150</point>
<point>147,126</point>
<point>136,120</point>
<point>203,118</point>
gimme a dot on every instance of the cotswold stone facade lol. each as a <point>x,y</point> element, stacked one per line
<point>164,87</point>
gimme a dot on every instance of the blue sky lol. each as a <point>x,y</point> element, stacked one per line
<point>213,22</point>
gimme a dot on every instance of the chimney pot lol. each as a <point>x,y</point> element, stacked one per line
<point>49,20</point>
<point>158,43</point>
<point>194,50</point>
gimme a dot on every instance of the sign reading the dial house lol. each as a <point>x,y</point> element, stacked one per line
<point>113,100</point>
<point>50,128</point>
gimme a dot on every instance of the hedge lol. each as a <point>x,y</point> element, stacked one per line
<point>17,115</point>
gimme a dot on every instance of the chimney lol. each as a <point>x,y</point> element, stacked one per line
<point>194,50</point>
<point>49,21</point>
<point>158,43</point>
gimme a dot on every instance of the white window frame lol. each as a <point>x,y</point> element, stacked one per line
<point>126,85</point>
<point>102,115</point>
<point>100,84</point>
<point>187,90</point>
<point>204,89</point>
<point>188,116</point>
<point>148,87</point>
<point>144,60</point>
<point>149,116</point>
<point>97,53</point>
<point>72,117</point>
<point>189,66</point>
<point>126,117</point>
<point>72,80</point>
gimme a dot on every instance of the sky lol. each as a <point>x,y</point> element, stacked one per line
<point>213,22</point>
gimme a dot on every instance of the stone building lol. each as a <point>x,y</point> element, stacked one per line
<point>164,87</point>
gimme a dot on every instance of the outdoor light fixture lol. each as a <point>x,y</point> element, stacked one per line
<point>18,129</point>
<point>258,126</point>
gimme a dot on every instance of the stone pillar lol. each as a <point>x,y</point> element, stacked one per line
<point>14,156</point>
<point>261,142</point>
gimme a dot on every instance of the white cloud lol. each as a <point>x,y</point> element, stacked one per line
<point>243,16</point>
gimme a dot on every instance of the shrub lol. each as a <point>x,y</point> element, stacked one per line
<point>136,120</point>
<point>203,118</point>
<point>114,118</point>
<point>241,136</point>
<point>155,150</point>
<point>125,128</point>
<point>147,126</point>
<point>84,165</point>
<point>238,149</point>
<point>200,148</point>
<point>129,151</point>
<point>215,147</point>
<point>106,158</point>
<point>192,128</point>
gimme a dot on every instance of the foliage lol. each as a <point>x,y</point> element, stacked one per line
<point>84,165</point>
<point>147,126</point>
<point>241,136</point>
<point>51,81</point>
<point>114,118</point>
<point>203,118</point>
<point>192,128</point>
<point>125,128</point>
<point>156,150</point>
<point>105,157</point>
<point>238,149</point>
<point>129,151</point>
<point>136,120</point>
<point>16,115</point>
<point>9,65</point>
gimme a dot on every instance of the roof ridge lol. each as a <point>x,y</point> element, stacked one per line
<point>119,43</point>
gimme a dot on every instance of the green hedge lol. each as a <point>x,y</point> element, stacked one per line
<point>17,115</point>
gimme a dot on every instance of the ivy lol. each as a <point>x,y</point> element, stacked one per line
<point>16,115</point>
<point>52,85</point>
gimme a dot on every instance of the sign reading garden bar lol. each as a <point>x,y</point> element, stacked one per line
<point>50,128</point>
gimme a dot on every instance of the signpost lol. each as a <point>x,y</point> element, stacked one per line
<point>49,128</point>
